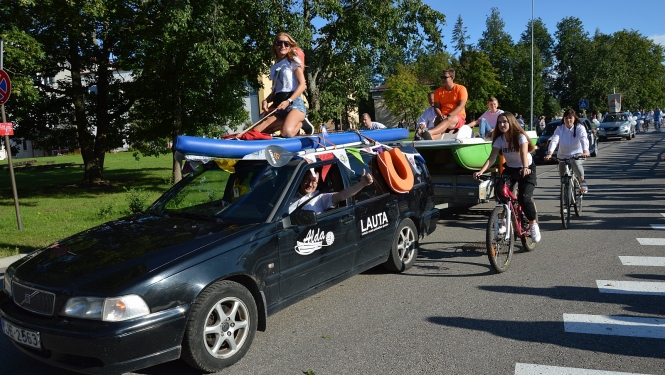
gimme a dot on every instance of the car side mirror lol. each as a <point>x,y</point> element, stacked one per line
<point>303,217</point>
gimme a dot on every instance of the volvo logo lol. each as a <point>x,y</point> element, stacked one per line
<point>28,296</point>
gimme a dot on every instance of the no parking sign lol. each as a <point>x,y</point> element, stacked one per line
<point>5,86</point>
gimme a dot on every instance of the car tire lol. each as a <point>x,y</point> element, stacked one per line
<point>228,337</point>
<point>404,251</point>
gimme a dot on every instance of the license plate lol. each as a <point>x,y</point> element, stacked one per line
<point>20,335</point>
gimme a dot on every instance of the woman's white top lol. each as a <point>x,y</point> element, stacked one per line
<point>569,146</point>
<point>512,156</point>
<point>283,75</point>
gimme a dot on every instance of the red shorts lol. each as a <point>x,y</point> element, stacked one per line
<point>460,121</point>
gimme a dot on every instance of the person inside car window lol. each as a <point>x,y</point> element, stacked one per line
<point>308,197</point>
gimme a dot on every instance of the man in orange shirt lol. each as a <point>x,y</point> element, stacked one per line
<point>449,102</point>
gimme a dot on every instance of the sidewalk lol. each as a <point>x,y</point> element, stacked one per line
<point>5,262</point>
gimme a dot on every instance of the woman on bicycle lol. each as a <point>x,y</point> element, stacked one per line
<point>571,137</point>
<point>516,147</point>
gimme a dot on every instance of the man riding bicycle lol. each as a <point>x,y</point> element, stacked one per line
<point>572,140</point>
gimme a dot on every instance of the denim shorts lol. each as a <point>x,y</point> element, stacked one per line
<point>298,104</point>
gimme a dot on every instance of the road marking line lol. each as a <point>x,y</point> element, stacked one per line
<point>658,226</point>
<point>614,325</point>
<point>662,214</point>
<point>631,287</point>
<point>652,241</point>
<point>531,369</point>
<point>642,261</point>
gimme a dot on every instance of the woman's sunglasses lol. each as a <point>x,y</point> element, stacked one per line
<point>281,43</point>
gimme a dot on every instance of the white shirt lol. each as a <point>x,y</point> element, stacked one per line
<point>427,118</point>
<point>569,146</point>
<point>512,156</point>
<point>283,75</point>
<point>317,204</point>
<point>376,126</point>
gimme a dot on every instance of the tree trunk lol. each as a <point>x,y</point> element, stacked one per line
<point>177,119</point>
<point>92,172</point>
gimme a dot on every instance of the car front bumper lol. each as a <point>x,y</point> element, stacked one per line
<point>96,347</point>
<point>619,133</point>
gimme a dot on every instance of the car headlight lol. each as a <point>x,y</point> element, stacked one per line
<point>114,309</point>
<point>624,127</point>
<point>7,282</point>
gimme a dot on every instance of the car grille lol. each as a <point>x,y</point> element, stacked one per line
<point>612,129</point>
<point>35,300</point>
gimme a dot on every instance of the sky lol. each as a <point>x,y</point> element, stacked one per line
<point>647,17</point>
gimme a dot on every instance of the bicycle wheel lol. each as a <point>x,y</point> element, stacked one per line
<point>500,246</point>
<point>565,203</point>
<point>527,242</point>
<point>577,193</point>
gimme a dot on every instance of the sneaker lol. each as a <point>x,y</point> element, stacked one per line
<point>585,188</point>
<point>502,227</point>
<point>307,127</point>
<point>565,211</point>
<point>535,232</point>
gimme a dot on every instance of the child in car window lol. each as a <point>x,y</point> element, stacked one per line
<point>308,197</point>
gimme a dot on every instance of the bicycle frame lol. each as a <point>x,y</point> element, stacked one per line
<point>506,198</point>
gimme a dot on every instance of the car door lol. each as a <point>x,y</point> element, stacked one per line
<point>376,211</point>
<point>315,254</point>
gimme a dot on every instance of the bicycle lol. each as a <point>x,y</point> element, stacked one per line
<point>645,126</point>
<point>571,192</point>
<point>506,221</point>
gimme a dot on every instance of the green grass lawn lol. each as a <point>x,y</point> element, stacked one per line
<point>54,206</point>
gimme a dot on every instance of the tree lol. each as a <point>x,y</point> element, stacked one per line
<point>480,78</point>
<point>460,36</point>
<point>360,43</point>
<point>78,37</point>
<point>195,62</point>
<point>572,60</point>
<point>543,45</point>
<point>498,45</point>
<point>406,96</point>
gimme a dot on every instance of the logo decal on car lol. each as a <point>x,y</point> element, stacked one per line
<point>373,223</point>
<point>314,241</point>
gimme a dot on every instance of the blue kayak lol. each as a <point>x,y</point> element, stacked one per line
<point>234,148</point>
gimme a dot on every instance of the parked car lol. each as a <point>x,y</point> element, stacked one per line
<point>544,139</point>
<point>617,125</point>
<point>196,274</point>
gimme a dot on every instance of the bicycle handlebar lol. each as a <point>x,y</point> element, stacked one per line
<point>577,157</point>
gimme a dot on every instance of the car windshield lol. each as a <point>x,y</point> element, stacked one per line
<point>243,192</point>
<point>612,118</point>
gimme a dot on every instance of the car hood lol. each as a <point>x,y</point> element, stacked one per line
<point>122,249</point>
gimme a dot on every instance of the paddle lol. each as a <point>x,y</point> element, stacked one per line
<point>278,156</point>
<point>256,123</point>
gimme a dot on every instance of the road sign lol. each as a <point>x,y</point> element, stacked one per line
<point>5,86</point>
<point>6,128</point>
<point>584,104</point>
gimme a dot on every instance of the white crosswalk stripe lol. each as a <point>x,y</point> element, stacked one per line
<point>631,287</point>
<point>614,325</point>
<point>642,261</point>
<point>531,369</point>
<point>651,241</point>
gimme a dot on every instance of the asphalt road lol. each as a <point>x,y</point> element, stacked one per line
<point>450,314</point>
